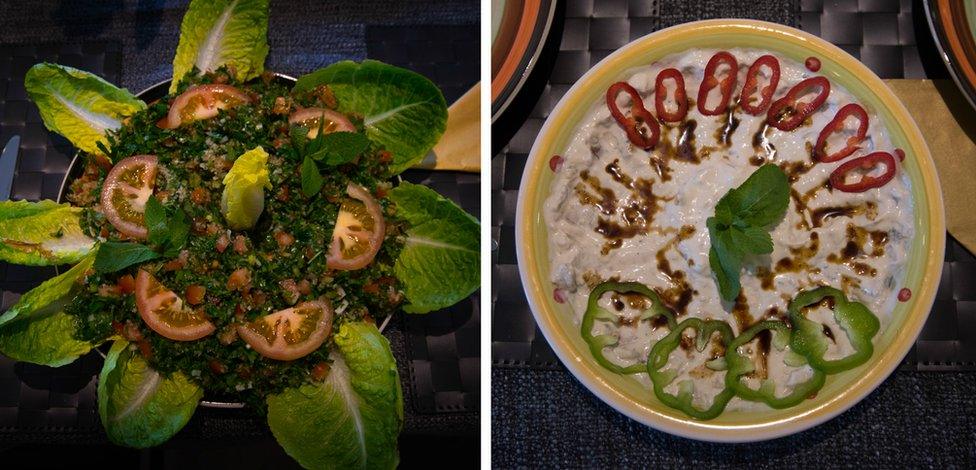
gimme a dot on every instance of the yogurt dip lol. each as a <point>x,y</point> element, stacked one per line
<point>620,212</point>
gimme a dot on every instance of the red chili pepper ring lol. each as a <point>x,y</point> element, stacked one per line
<point>836,125</point>
<point>710,81</point>
<point>864,165</point>
<point>661,95</point>
<point>751,86</point>
<point>788,112</point>
<point>641,127</point>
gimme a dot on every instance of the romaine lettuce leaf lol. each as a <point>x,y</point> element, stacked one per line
<point>79,105</point>
<point>138,406</point>
<point>402,111</point>
<point>41,233</point>
<point>439,264</point>
<point>222,32</point>
<point>243,198</point>
<point>37,330</point>
<point>353,418</point>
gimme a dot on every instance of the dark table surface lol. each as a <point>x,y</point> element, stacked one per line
<point>132,45</point>
<point>924,415</point>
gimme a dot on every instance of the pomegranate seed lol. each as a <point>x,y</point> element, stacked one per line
<point>555,163</point>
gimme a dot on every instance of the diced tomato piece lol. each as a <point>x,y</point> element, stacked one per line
<point>195,293</point>
<point>126,284</point>
<point>239,279</point>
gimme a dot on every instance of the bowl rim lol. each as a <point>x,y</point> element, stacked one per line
<point>582,366</point>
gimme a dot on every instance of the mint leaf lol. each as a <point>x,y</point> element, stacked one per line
<point>724,259</point>
<point>739,225</point>
<point>167,232</point>
<point>763,198</point>
<point>726,270</point>
<point>179,230</point>
<point>116,256</point>
<point>299,138</point>
<point>751,240</point>
<point>338,148</point>
<point>311,178</point>
<point>439,264</point>
<point>723,211</point>
<point>155,217</point>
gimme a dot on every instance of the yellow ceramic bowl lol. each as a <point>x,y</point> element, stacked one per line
<point>842,390</point>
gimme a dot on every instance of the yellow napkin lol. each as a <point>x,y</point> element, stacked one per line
<point>460,147</point>
<point>948,124</point>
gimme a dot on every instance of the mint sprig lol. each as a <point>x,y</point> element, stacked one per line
<point>168,230</point>
<point>325,150</point>
<point>741,222</point>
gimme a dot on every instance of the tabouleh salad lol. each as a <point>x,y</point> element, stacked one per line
<point>240,238</point>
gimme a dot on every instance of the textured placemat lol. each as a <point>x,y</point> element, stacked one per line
<point>437,354</point>
<point>879,32</point>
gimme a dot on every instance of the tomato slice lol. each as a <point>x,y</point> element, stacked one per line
<point>202,102</point>
<point>127,187</point>
<point>290,333</point>
<point>166,313</point>
<point>312,119</point>
<point>358,232</point>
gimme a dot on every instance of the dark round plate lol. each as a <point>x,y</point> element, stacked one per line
<point>519,33</point>
<point>953,25</point>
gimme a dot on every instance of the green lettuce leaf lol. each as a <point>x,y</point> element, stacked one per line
<point>138,406</point>
<point>37,330</point>
<point>439,265</point>
<point>42,233</point>
<point>350,420</point>
<point>79,105</point>
<point>243,198</point>
<point>402,111</point>
<point>222,32</point>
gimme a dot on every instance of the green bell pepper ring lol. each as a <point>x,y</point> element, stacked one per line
<point>809,340</point>
<point>740,365</point>
<point>658,358</point>
<point>595,312</point>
